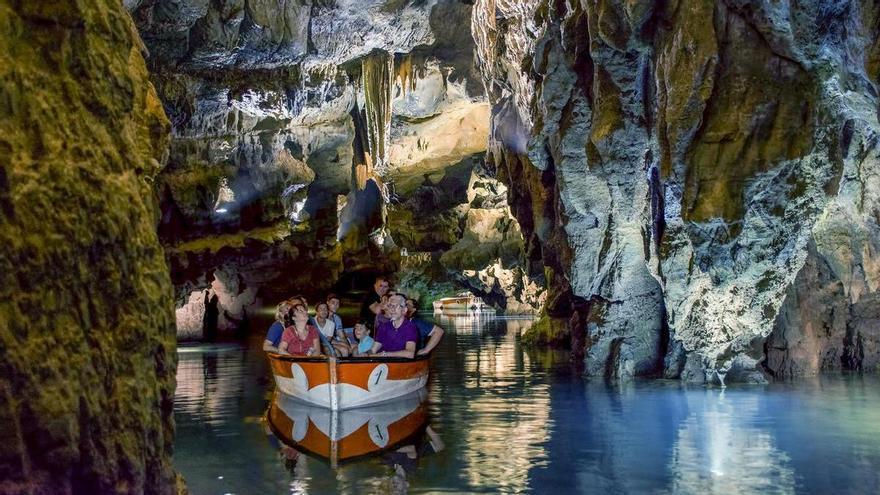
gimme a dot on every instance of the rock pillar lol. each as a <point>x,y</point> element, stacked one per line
<point>87,344</point>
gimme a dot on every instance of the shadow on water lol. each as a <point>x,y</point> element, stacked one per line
<point>502,418</point>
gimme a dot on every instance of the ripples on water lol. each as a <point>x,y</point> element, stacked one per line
<point>513,420</point>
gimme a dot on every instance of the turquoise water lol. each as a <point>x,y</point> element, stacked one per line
<point>507,419</point>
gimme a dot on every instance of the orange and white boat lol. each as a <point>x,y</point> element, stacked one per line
<point>340,436</point>
<point>346,383</point>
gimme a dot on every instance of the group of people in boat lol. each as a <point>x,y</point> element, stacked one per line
<point>387,326</point>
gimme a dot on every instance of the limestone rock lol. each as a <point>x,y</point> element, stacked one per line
<point>236,300</point>
<point>87,344</point>
<point>829,319</point>
<point>276,114</point>
<point>265,34</point>
<point>673,173</point>
<point>424,279</point>
<point>458,232</point>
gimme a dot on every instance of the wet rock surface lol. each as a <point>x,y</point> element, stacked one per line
<point>699,174</point>
<point>87,341</point>
<point>299,131</point>
<point>677,171</point>
<point>457,231</point>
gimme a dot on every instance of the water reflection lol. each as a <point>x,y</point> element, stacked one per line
<point>498,413</point>
<point>464,320</point>
<point>502,418</point>
<point>345,435</point>
<point>720,449</point>
<point>209,378</point>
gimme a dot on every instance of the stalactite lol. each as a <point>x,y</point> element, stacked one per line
<point>408,71</point>
<point>376,84</point>
<point>363,172</point>
<point>364,213</point>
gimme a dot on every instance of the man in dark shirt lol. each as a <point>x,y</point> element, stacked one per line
<point>372,301</point>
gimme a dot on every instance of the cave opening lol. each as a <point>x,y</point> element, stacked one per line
<point>300,175</point>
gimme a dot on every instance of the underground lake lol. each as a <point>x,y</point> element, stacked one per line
<point>507,419</point>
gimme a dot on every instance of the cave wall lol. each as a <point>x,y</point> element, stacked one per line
<point>687,171</point>
<point>302,131</point>
<point>87,341</point>
<point>456,231</point>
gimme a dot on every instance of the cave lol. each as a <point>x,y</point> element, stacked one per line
<point>644,196</point>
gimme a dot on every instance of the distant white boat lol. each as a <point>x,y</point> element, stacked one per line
<point>462,302</point>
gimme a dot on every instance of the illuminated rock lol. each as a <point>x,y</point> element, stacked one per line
<point>671,165</point>
<point>279,110</point>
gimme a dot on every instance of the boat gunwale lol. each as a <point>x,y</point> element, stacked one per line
<point>347,360</point>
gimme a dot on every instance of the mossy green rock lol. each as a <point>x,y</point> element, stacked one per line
<point>548,331</point>
<point>87,346</point>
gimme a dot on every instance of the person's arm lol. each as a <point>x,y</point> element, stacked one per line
<point>376,347</point>
<point>282,347</point>
<point>343,343</point>
<point>341,348</point>
<point>434,339</point>
<point>409,352</point>
<point>376,307</point>
<point>316,347</point>
<point>272,336</point>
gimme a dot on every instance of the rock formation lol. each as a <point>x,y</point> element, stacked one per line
<point>695,183</point>
<point>87,343</point>
<point>456,230</point>
<point>699,179</point>
<point>300,129</point>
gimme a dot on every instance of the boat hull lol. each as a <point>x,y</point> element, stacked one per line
<point>347,383</point>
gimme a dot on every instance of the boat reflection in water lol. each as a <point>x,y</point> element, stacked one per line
<point>464,320</point>
<point>339,436</point>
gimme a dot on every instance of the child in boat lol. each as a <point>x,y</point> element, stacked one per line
<point>342,335</point>
<point>366,344</point>
<point>333,305</point>
<point>327,327</point>
<point>322,320</point>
